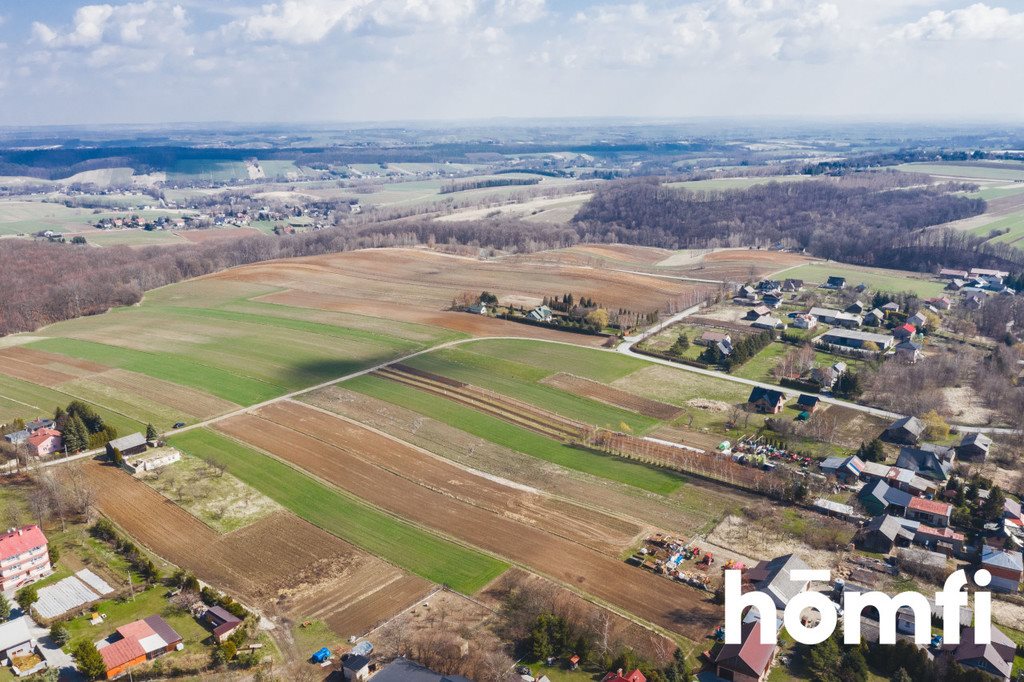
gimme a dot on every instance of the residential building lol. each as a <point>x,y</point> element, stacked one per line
<point>874,318</point>
<point>845,469</point>
<point>1006,567</point>
<point>897,477</point>
<point>917,320</point>
<point>775,579</point>
<point>540,314</point>
<point>908,352</point>
<point>808,403</point>
<point>356,668</point>
<point>768,322</point>
<point>904,332</point>
<point>766,400</point>
<point>793,285</point>
<point>757,311</point>
<point>907,430</point>
<point>949,273</point>
<point>943,540</point>
<point>879,497</point>
<point>404,670</point>
<point>995,658</point>
<point>477,309</point>
<point>712,337</point>
<point>932,512</point>
<point>16,639</point>
<point>45,441</point>
<point>884,532</point>
<point>857,340</point>
<point>24,557</point>
<point>748,661</point>
<point>834,282</point>
<point>857,308</point>
<point>137,642</point>
<point>619,676</point>
<point>974,446</point>
<point>223,622</point>
<point>826,315</point>
<point>805,321</point>
<point>928,460</point>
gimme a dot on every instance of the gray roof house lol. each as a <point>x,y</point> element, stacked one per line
<point>404,670</point>
<point>928,460</point>
<point>995,658</point>
<point>907,431</point>
<point>774,578</point>
<point>974,446</point>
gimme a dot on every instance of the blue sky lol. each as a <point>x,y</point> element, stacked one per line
<point>150,61</point>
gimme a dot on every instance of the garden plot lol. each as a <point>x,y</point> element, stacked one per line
<point>71,593</point>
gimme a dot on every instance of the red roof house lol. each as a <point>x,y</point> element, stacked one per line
<point>45,441</point>
<point>748,661</point>
<point>932,512</point>
<point>24,557</point>
<point>635,676</point>
<point>904,331</point>
<point>137,642</point>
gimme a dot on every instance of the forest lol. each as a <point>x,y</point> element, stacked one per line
<point>873,219</point>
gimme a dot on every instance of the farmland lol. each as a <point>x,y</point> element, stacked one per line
<point>345,463</point>
<point>1008,172</point>
<point>345,517</point>
<point>876,279</point>
<point>720,184</point>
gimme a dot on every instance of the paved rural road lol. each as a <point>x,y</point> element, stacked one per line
<point>625,348</point>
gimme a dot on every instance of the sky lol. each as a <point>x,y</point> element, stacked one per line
<point>296,61</point>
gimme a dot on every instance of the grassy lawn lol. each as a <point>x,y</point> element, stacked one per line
<point>760,366</point>
<point>1012,223</point>
<point>346,517</point>
<point>152,602</point>
<point>520,381</point>
<point>877,279</point>
<point>511,436</point>
<point>555,357</point>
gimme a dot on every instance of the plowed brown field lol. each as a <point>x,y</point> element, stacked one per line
<point>280,563</point>
<point>181,398</point>
<point>345,460</point>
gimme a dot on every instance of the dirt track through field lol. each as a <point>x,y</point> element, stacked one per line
<point>279,563</point>
<point>348,460</point>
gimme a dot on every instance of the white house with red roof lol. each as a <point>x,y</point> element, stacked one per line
<point>932,512</point>
<point>45,441</point>
<point>24,557</point>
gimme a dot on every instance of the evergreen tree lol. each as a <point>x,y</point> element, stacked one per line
<point>5,608</point>
<point>59,634</point>
<point>678,670</point>
<point>90,662</point>
<point>151,433</point>
<point>540,643</point>
<point>76,436</point>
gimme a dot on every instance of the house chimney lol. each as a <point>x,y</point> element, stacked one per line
<point>620,672</point>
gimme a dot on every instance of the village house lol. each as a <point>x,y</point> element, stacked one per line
<point>932,512</point>
<point>874,318</point>
<point>477,309</point>
<point>404,670</point>
<point>908,352</point>
<point>904,332</point>
<point>793,285</point>
<point>940,303</point>
<point>917,320</point>
<point>834,282</point>
<point>808,403</point>
<point>748,661</point>
<point>826,315</point>
<point>24,557</point>
<point>897,477</point>
<point>805,321</point>
<point>825,377</point>
<point>928,460</point>
<point>838,318</point>
<point>995,658</point>
<point>766,400</point>
<point>775,579</point>
<point>950,273</point>
<point>356,668</point>
<point>857,340</point>
<point>890,307</point>
<point>1006,567</point>
<point>757,311</point>
<point>620,676</point>
<point>45,441</point>
<point>856,308</point>
<point>942,540</point>
<point>907,430</point>
<point>879,497</point>
<point>845,469</point>
<point>768,322</point>
<point>16,640</point>
<point>772,300</point>
<point>712,337</point>
<point>974,446</point>
<point>886,531</point>
<point>540,314</point>
<point>136,643</point>
<point>223,622</point>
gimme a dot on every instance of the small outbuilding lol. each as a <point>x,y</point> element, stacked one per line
<point>132,444</point>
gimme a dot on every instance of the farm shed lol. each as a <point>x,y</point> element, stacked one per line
<point>974,446</point>
<point>836,509</point>
<point>920,559</point>
<point>356,668</point>
<point>223,622</point>
<point>851,338</point>
<point>907,430</point>
<point>775,578</point>
<point>132,444</point>
<point>884,532</point>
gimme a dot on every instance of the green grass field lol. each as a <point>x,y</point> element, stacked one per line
<point>877,279</point>
<point>28,401</point>
<point>209,170</point>
<point>1012,223</point>
<point>508,435</point>
<point>346,517</point>
<point>521,382</point>
<point>555,357</point>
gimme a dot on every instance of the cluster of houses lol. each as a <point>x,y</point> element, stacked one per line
<point>39,436</point>
<point>907,502</point>
<point>976,282</point>
<point>752,661</point>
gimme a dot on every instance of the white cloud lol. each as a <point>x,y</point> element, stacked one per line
<point>977,22</point>
<point>520,11</point>
<point>151,22</point>
<point>309,21</point>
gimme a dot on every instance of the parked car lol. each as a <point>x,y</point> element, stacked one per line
<point>179,425</point>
